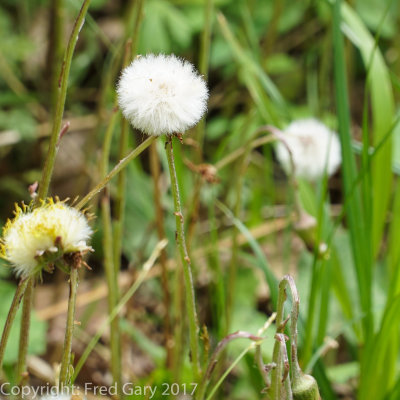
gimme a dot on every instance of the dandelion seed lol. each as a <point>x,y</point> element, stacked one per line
<point>37,238</point>
<point>162,94</point>
<point>314,148</point>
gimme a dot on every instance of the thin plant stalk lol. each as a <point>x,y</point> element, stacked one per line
<point>238,205</point>
<point>280,326</point>
<point>178,322</point>
<point>112,291</point>
<point>48,168</point>
<point>69,331</point>
<point>187,271</point>
<point>116,170</point>
<point>360,240</point>
<point>233,262</point>
<point>241,355</point>
<point>271,33</point>
<point>63,84</point>
<point>220,295</point>
<point>24,332</point>
<point>120,199</point>
<point>216,354</point>
<point>109,257</point>
<point>204,59</point>
<point>19,293</point>
<point>137,22</point>
<point>125,298</point>
<point>56,47</point>
<point>155,172</point>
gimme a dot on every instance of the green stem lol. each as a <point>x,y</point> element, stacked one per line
<point>115,250</point>
<point>48,169</point>
<point>359,235</point>
<point>178,322</point>
<point>112,292</point>
<point>55,51</point>
<point>233,263</point>
<point>216,354</point>
<point>24,331</point>
<point>244,152</point>
<point>11,317</point>
<point>69,331</point>
<point>146,268</point>
<point>120,199</point>
<point>109,267</point>
<point>63,84</point>
<point>155,172</point>
<point>280,326</point>
<point>118,168</point>
<point>241,355</point>
<point>204,58</point>
<point>137,22</point>
<point>187,272</point>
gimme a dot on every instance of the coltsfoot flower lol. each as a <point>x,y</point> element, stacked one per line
<point>39,238</point>
<point>162,94</point>
<point>314,148</point>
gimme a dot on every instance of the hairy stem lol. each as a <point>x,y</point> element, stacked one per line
<point>155,172</point>
<point>69,330</point>
<point>62,93</point>
<point>187,271</point>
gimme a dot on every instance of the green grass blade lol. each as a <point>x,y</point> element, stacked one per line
<point>358,234</point>
<point>374,381</point>
<point>262,261</point>
<point>382,107</point>
<point>257,81</point>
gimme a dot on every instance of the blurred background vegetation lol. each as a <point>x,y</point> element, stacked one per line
<point>270,62</point>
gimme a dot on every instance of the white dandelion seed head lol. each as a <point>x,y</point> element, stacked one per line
<point>162,94</point>
<point>52,227</point>
<point>314,148</point>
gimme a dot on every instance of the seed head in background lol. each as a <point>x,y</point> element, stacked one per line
<point>314,148</point>
<point>39,238</point>
<point>162,94</point>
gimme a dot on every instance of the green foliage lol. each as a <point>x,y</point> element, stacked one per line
<point>37,338</point>
<point>270,62</point>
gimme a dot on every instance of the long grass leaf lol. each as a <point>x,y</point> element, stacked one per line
<point>358,234</point>
<point>382,107</point>
<point>262,261</point>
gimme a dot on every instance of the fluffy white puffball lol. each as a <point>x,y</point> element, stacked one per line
<point>53,228</point>
<point>162,94</point>
<point>315,149</point>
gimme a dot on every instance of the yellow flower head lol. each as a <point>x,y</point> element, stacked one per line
<point>37,238</point>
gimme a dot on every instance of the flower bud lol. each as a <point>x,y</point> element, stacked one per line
<point>305,387</point>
